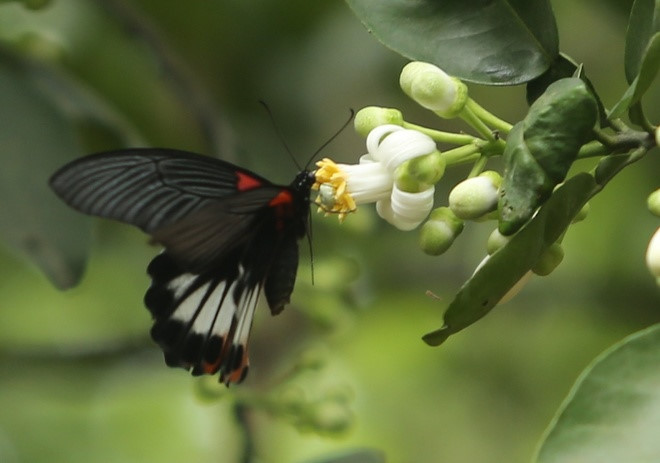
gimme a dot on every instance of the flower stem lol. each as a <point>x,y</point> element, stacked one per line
<point>461,155</point>
<point>476,123</point>
<point>442,137</point>
<point>478,166</point>
<point>488,118</point>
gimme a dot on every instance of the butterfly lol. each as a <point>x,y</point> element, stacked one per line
<point>228,235</point>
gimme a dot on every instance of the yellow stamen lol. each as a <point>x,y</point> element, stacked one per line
<point>342,203</point>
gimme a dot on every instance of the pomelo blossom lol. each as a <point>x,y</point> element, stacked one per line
<point>342,187</point>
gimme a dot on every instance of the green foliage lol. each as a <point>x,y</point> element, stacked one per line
<point>504,268</point>
<point>542,148</point>
<point>611,415</point>
<point>516,39</point>
<point>33,222</point>
<point>75,380</point>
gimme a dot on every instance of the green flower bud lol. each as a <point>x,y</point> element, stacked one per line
<point>496,241</point>
<point>653,256</point>
<point>476,196</point>
<point>330,417</point>
<point>653,202</point>
<point>371,117</point>
<point>420,173</point>
<point>292,399</point>
<point>549,260</point>
<point>582,214</point>
<point>433,89</point>
<point>439,231</point>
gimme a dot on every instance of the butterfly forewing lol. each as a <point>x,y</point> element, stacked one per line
<point>149,188</point>
<point>227,234</point>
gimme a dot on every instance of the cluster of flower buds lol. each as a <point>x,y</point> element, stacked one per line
<point>403,163</point>
<point>653,250</point>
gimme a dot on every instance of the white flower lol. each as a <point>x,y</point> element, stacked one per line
<point>342,186</point>
<point>653,256</point>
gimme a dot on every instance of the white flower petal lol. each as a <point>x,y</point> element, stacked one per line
<point>401,146</point>
<point>406,210</point>
<point>412,206</point>
<point>367,182</point>
<point>376,135</point>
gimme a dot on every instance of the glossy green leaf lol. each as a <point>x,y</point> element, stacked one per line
<point>507,266</point>
<point>612,415</point>
<point>643,24</point>
<point>499,42</point>
<point>37,138</point>
<point>541,149</point>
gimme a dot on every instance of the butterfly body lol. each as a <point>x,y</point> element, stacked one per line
<point>227,234</point>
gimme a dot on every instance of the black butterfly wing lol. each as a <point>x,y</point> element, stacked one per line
<point>203,316</point>
<point>279,282</point>
<point>202,321</point>
<point>149,187</point>
<point>226,231</point>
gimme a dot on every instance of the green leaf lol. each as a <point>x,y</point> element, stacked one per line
<point>541,149</point>
<point>647,72</point>
<point>564,66</point>
<point>508,265</point>
<point>498,42</point>
<point>643,24</point>
<point>612,414</point>
<point>37,138</point>
<point>561,67</point>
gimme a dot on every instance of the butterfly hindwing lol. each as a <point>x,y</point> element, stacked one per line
<point>201,321</point>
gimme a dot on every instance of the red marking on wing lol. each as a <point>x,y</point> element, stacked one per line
<point>283,198</point>
<point>283,205</point>
<point>246,182</point>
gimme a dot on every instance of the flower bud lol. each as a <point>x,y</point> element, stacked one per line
<point>330,417</point>
<point>582,214</point>
<point>496,241</point>
<point>371,117</point>
<point>653,202</point>
<point>439,231</point>
<point>433,89</point>
<point>653,256</point>
<point>476,196</point>
<point>549,260</point>
<point>420,173</point>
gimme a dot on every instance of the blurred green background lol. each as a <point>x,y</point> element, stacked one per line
<point>80,379</point>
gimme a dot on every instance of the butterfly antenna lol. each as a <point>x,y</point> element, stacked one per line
<point>278,132</point>
<point>341,129</point>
